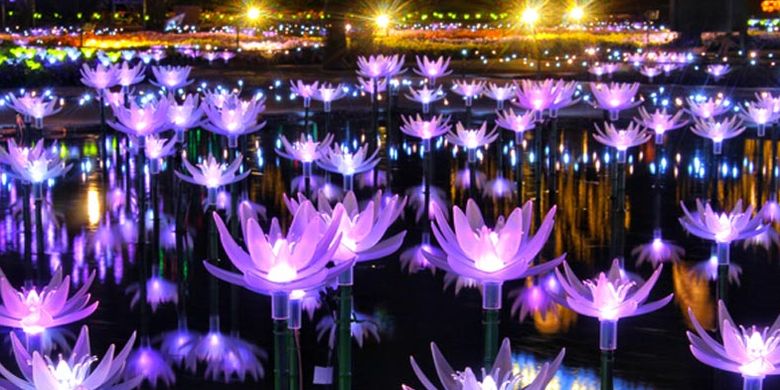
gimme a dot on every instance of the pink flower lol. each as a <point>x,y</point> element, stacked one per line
<point>432,69</point>
<point>615,97</point>
<point>425,129</point>
<point>171,77</point>
<point>722,228</point>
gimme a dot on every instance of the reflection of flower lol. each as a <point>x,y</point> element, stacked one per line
<point>718,70</point>
<point>750,351</point>
<point>74,372</point>
<point>416,196</point>
<point>657,251</point>
<point>34,311</point>
<point>533,297</point>
<point>708,269</point>
<point>362,327</point>
<point>609,297</point>
<point>148,364</point>
<point>736,225</point>
<point>158,291</point>
<point>499,377</point>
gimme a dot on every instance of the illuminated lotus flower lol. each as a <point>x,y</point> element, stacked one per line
<point>34,311</point>
<point>621,139</point>
<point>35,107</point>
<point>128,75</point>
<point>718,131</point>
<point>115,98</point>
<point>752,352</point>
<point>362,327</point>
<point>156,150</point>
<point>278,264</point>
<point>226,357</point>
<point>141,120</point>
<point>660,122</point>
<point>100,77</point>
<point>368,85</point>
<point>177,344</point>
<point>413,259</point>
<point>770,211</point>
<point>599,70</point>
<point>718,70</point>
<point>305,91</point>
<point>468,89</point>
<point>759,115</point>
<point>327,94</point>
<point>535,96</point>
<point>379,66</point>
<point>668,68</point>
<point>184,116</point>
<point>615,97</point>
<point>519,124</point>
<point>171,77</point>
<point>767,239</point>
<point>463,179</point>
<point>75,372</point>
<point>361,230</point>
<point>425,129</point>
<point>533,298</point>
<point>499,377</point>
<point>564,96</point>
<point>148,364</point>
<point>651,72</point>
<point>234,117</point>
<point>472,138</point>
<point>425,96</point>
<point>500,93</point>
<point>432,69</point>
<point>491,256</point>
<point>416,196</point>
<point>158,291</point>
<point>706,108</point>
<point>657,251</point>
<point>708,269</point>
<point>305,149</point>
<point>212,174</point>
<point>227,55</point>
<point>210,56</point>
<point>722,228</point>
<point>340,160</point>
<point>33,165</point>
<point>498,188</point>
<point>611,296</point>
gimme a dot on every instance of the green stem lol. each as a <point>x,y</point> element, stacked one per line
<point>292,358</point>
<point>345,338</point>
<point>607,366</point>
<point>490,323</point>
<point>280,354</point>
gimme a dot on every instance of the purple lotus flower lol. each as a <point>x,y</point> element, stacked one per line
<point>432,69</point>
<point>533,297</point>
<point>752,352</point>
<point>499,93</point>
<point>277,264</point>
<point>651,72</point>
<point>227,55</point>
<point>657,252</point>
<point>621,139</point>
<point>607,68</point>
<point>609,297</point>
<point>368,86</point>
<point>158,291</point>
<point>760,115</point>
<point>615,97</point>
<point>305,149</point>
<point>341,161</point>
<point>128,75</point>
<point>34,311</point>
<point>425,129</point>
<point>141,120</point>
<point>499,377</point>
<point>707,108</point>
<point>518,124</point>
<point>660,122</point>
<point>34,107</point>
<point>212,174</point>
<point>564,96</point>
<point>74,372</point>
<point>425,96</point>
<point>184,116</point>
<point>722,228</point>
<point>472,138</point>
<point>304,90</point>
<point>327,94</point>
<point>491,256</point>
<point>171,77</point>
<point>718,131</point>
<point>33,165</point>
<point>379,66</point>
<point>535,96</point>
<point>100,77</point>
<point>718,70</point>
<point>156,150</point>
<point>148,364</point>
<point>234,117</point>
<point>469,89</point>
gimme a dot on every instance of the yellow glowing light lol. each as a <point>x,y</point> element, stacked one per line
<point>253,13</point>
<point>382,21</point>
<point>529,16</point>
<point>577,13</point>
<point>93,207</point>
